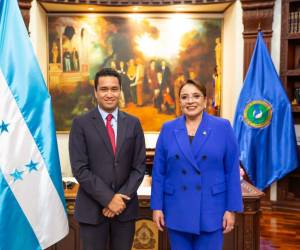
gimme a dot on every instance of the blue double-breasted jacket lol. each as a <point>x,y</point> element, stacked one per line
<point>195,183</point>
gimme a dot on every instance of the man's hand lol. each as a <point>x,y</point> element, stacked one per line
<point>158,218</point>
<point>125,197</point>
<point>108,213</point>
<point>117,204</point>
<point>228,222</point>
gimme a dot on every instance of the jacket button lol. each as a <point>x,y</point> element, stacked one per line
<point>177,156</point>
<point>184,188</point>
<point>198,172</point>
<point>204,157</point>
<point>116,164</point>
<point>183,171</point>
<point>198,187</point>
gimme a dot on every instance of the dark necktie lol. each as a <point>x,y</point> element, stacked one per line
<point>111,132</point>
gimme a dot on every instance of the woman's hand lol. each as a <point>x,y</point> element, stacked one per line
<point>158,218</point>
<point>228,222</point>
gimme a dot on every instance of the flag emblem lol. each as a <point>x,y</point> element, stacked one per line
<point>258,114</point>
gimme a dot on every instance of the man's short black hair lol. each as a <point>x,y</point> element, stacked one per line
<point>106,72</point>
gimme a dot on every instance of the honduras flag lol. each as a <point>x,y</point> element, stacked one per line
<point>263,122</point>
<point>32,206</point>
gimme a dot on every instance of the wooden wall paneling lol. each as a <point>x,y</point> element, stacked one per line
<point>283,42</point>
<point>256,13</point>
<point>266,203</point>
<point>288,197</point>
<point>25,6</point>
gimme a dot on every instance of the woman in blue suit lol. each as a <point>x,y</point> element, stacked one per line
<point>195,180</point>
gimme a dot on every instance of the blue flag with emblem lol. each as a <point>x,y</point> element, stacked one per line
<point>263,122</point>
<point>32,206</point>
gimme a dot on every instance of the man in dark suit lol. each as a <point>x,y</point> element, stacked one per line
<point>107,154</point>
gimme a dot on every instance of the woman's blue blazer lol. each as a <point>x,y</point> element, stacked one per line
<point>195,183</point>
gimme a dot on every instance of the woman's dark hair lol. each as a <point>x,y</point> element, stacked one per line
<point>106,72</point>
<point>199,86</point>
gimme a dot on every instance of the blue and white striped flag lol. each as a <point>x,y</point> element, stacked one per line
<point>32,206</point>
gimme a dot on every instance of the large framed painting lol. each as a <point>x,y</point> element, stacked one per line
<point>153,54</point>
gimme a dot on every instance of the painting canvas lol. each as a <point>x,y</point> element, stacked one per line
<point>153,54</point>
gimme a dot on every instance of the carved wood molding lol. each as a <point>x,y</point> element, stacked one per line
<point>257,14</point>
<point>137,2</point>
<point>25,6</point>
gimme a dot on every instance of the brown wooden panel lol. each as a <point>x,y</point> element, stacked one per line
<point>72,241</point>
<point>266,203</point>
<point>284,33</point>
<point>25,6</point>
<point>288,192</point>
<point>256,15</point>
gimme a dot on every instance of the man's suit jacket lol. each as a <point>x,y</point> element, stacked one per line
<point>195,183</point>
<point>100,173</point>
